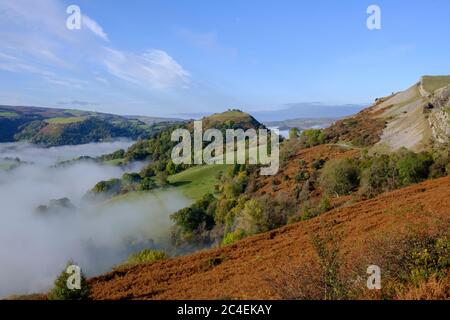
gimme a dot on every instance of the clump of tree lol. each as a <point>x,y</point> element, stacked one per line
<point>62,291</point>
<point>293,133</point>
<point>192,224</point>
<point>264,213</point>
<point>340,177</point>
<point>230,214</point>
<point>400,169</point>
<point>312,137</point>
<point>116,155</point>
<point>111,187</point>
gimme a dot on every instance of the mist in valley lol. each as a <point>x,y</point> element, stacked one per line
<point>35,247</point>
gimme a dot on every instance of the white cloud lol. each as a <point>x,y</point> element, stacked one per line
<point>154,68</point>
<point>35,41</point>
<point>94,27</point>
<point>16,65</point>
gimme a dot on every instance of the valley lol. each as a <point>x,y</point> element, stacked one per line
<point>184,231</point>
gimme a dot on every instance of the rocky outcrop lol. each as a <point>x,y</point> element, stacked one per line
<point>439,117</point>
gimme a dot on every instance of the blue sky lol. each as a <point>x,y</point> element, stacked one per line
<point>171,57</point>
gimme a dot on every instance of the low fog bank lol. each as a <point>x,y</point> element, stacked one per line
<point>50,156</point>
<point>35,247</point>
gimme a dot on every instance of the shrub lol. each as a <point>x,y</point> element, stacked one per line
<point>413,167</point>
<point>146,256</point>
<point>340,176</point>
<point>389,172</point>
<point>411,260</point>
<point>234,236</point>
<point>235,186</point>
<point>312,137</point>
<point>441,166</point>
<point>147,184</point>
<point>148,171</point>
<point>265,213</point>
<point>318,164</point>
<point>161,177</point>
<point>293,133</point>
<point>129,178</point>
<point>302,176</point>
<point>60,290</point>
<point>324,205</point>
<point>380,176</point>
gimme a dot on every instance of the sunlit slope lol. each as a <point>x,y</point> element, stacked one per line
<point>197,181</point>
<point>244,270</point>
<point>417,118</point>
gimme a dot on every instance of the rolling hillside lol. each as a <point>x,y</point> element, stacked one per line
<point>52,127</point>
<point>252,268</point>
<point>343,232</point>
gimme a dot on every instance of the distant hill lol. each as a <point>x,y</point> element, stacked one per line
<point>302,110</point>
<point>52,127</point>
<point>308,110</point>
<point>153,120</point>
<point>302,123</point>
<point>157,150</point>
<point>231,119</point>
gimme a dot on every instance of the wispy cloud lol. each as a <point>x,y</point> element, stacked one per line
<point>154,68</point>
<point>94,27</point>
<point>16,65</point>
<point>35,41</point>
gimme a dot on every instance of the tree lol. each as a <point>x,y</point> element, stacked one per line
<point>293,133</point>
<point>171,168</point>
<point>61,290</point>
<point>112,186</point>
<point>380,176</point>
<point>148,171</point>
<point>192,220</point>
<point>161,177</point>
<point>312,137</point>
<point>413,167</point>
<point>147,184</point>
<point>340,176</point>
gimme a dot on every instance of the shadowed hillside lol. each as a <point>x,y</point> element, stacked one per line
<point>55,127</point>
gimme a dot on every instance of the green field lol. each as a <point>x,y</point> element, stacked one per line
<point>432,83</point>
<point>65,120</point>
<point>197,181</point>
<point>8,114</point>
<point>193,183</point>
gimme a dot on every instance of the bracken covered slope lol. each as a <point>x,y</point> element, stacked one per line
<point>246,269</point>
